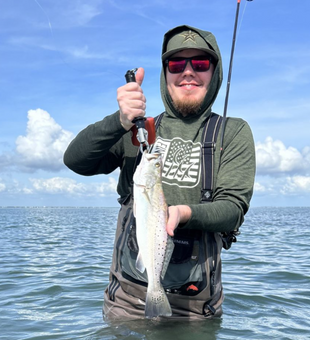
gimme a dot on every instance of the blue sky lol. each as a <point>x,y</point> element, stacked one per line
<point>61,62</point>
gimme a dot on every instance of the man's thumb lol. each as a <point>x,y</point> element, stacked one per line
<point>140,75</point>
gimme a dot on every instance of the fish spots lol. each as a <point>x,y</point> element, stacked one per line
<point>158,298</point>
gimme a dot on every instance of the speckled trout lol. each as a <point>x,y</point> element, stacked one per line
<point>151,212</point>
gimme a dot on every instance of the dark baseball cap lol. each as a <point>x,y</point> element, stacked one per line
<point>186,39</point>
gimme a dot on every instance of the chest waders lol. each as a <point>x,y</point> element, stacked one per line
<point>193,279</point>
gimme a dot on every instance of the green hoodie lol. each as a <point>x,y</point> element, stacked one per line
<point>105,146</point>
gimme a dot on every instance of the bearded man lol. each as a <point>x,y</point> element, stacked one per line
<point>190,81</point>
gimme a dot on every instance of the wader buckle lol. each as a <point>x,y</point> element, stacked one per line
<point>208,310</point>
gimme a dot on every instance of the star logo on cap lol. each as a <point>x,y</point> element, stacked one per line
<point>189,36</point>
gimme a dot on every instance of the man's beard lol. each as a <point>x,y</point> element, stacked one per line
<point>186,108</point>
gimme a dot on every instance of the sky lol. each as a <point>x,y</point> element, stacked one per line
<point>61,62</point>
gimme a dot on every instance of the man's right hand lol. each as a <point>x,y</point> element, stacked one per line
<point>131,100</point>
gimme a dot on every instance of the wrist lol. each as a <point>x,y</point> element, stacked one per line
<point>185,213</point>
<point>125,123</point>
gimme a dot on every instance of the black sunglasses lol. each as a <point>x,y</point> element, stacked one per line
<point>198,63</point>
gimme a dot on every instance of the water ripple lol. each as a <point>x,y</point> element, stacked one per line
<point>55,266</point>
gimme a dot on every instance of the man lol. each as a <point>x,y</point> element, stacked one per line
<point>190,81</point>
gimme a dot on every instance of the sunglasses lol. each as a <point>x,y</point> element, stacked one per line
<point>198,63</point>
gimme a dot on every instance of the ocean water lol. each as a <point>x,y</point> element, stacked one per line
<point>54,267</point>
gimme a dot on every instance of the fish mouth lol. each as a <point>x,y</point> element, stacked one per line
<point>150,156</point>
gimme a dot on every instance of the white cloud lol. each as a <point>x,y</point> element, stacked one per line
<point>85,11</point>
<point>2,187</point>
<point>44,144</point>
<point>306,154</point>
<point>85,53</point>
<point>107,187</point>
<point>282,185</point>
<point>60,185</point>
<point>73,13</point>
<point>258,187</point>
<point>296,185</point>
<point>273,156</point>
<point>6,160</point>
<point>13,187</point>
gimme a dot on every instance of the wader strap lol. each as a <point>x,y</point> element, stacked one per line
<point>212,309</point>
<point>209,136</point>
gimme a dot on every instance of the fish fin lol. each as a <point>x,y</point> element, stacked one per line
<point>139,263</point>
<point>168,254</point>
<point>157,304</point>
<point>134,208</point>
<point>145,193</point>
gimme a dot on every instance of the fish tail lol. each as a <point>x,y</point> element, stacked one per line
<point>157,304</point>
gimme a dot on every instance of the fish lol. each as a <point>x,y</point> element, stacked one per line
<point>151,213</point>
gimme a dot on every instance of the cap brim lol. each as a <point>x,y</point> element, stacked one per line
<point>167,54</point>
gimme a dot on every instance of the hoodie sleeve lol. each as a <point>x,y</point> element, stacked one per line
<point>97,148</point>
<point>234,183</point>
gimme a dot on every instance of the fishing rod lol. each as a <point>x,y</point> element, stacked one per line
<point>229,237</point>
<point>230,72</point>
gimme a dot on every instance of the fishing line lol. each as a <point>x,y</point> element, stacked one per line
<point>241,20</point>
<point>53,37</point>
<point>229,75</point>
<point>51,30</point>
<point>54,41</point>
<point>47,17</point>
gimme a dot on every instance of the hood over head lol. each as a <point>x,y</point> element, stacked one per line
<point>186,37</point>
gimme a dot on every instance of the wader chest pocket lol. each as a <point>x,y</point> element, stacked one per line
<point>185,264</point>
<point>186,247</point>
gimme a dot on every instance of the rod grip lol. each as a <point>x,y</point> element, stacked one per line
<point>130,76</point>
